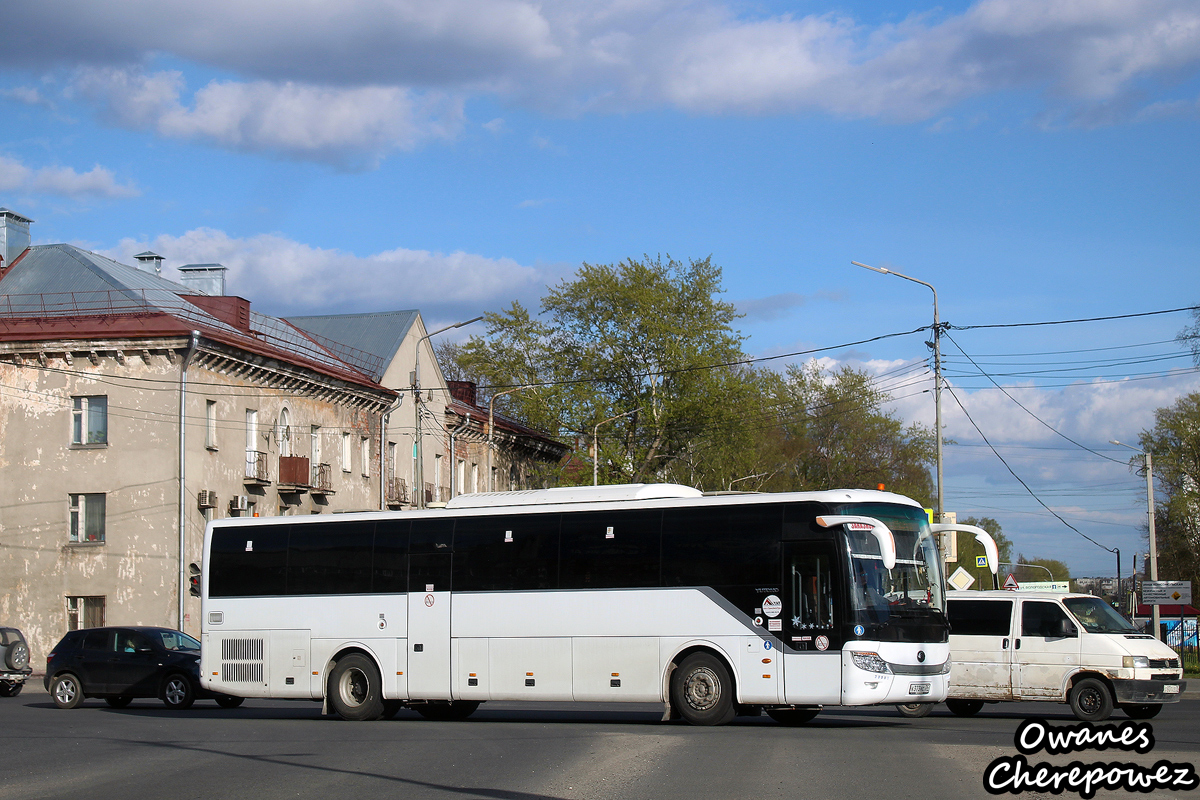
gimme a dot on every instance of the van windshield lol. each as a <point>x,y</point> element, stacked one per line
<point>1097,616</point>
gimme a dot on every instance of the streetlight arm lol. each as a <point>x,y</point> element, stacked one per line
<point>491,427</point>
<point>596,444</point>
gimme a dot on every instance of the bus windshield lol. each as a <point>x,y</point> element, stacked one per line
<point>904,602</point>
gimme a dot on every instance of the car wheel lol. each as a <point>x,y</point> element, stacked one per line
<point>793,716</point>
<point>914,710</point>
<point>355,689</point>
<point>1141,710</point>
<point>453,711</point>
<point>17,655</point>
<point>66,691</point>
<point>964,708</point>
<point>11,689</point>
<point>177,693</point>
<point>1091,701</point>
<point>702,691</point>
<point>229,701</point>
<point>118,702</point>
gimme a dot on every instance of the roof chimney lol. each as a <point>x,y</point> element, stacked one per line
<point>204,278</point>
<point>14,235</point>
<point>150,262</point>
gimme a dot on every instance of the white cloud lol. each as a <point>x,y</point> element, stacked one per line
<point>28,95</point>
<point>350,127</point>
<point>289,277</point>
<point>61,181</point>
<point>357,80</point>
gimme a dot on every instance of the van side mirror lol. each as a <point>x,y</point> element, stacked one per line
<point>1066,629</point>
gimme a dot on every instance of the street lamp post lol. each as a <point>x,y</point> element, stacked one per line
<point>1149,522</point>
<point>596,445</point>
<point>491,427</point>
<point>419,478</point>
<point>937,379</point>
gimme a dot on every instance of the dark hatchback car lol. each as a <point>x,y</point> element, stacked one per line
<point>120,664</point>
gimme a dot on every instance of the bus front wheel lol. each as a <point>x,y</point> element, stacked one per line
<point>702,691</point>
<point>355,690</point>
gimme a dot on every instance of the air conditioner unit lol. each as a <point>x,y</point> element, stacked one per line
<point>240,503</point>
<point>206,498</point>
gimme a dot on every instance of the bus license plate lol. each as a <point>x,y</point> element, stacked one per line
<point>1171,688</point>
<point>918,688</point>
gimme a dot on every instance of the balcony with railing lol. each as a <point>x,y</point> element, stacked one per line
<point>322,479</point>
<point>396,491</point>
<point>294,474</point>
<point>256,469</point>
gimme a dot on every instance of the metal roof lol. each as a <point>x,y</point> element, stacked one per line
<point>57,283</point>
<point>57,268</point>
<point>379,333</point>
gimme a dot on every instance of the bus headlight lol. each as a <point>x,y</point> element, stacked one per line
<point>871,662</point>
<point>1135,662</point>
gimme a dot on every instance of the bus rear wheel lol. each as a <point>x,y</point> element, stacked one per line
<point>702,691</point>
<point>355,690</point>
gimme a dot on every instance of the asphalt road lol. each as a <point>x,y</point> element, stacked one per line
<point>521,751</point>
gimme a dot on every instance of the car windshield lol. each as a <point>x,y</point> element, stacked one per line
<point>1097,616</point>
<point>175,640</point>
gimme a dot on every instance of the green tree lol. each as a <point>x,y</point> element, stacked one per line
<point>1058,570</point>
<point>638,339</point>
<point>1174,443</point>
<point>830,431</point>
<point>969,548</point>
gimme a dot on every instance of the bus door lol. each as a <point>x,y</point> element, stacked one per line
<point>429,570</point>
<point>813,668</point>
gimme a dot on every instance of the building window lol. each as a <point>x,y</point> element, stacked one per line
<point>364,445</point>
<point>474,477</point>
<point>314,431</point>
<point>85,612</point>
<point>437,477</point>
<point>460,477</point>
<point>346,452</point>
<point>87,518</point>
<point>251,430</point>
<point>89,424</point>
<point>210,424</point>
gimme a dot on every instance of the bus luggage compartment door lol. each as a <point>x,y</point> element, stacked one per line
<point>429,645</point>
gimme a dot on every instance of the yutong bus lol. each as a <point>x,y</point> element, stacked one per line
<point>718,605</point>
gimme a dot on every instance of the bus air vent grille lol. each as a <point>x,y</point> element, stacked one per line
<point>242,660</point>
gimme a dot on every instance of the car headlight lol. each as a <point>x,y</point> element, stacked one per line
<point>946,667</point>
<point>871,662</point>
<point>1135,662</point>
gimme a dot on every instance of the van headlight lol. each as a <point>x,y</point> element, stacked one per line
<point>871,662</point>
<point>1135,662</point>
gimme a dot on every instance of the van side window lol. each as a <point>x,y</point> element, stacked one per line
<point>980,617</point>
<point>1042,619</point>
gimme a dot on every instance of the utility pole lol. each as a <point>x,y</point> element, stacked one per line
<point>937,379</point>
<point>1154,615</point>
<point>596,445</point>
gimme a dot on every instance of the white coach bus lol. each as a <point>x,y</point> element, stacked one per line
<point>717,605</point>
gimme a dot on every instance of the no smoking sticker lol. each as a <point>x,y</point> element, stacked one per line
<point>429,600</point>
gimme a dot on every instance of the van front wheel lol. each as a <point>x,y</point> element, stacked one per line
<point>1091,701</point>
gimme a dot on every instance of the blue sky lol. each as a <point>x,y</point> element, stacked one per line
<point>1035,160</point>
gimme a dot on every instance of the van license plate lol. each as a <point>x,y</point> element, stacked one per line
<point>923,688</point>
<point>1171,688</point>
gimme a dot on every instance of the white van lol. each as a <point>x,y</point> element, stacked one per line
<point>1070,648</point>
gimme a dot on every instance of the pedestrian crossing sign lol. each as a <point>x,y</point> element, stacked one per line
<point>981,562</point>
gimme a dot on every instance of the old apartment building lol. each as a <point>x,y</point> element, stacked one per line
<point>133,409</point>
<point>438,424</point>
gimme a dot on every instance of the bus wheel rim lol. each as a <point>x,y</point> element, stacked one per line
<point>702,689</point>
<point>354,687</point>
